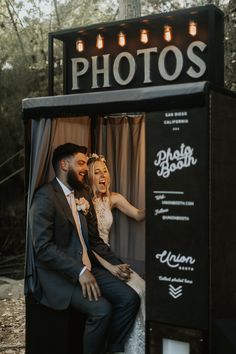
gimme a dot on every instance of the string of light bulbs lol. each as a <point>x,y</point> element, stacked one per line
<point>144,36</point>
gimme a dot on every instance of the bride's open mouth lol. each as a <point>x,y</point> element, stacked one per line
<point>102,183</point>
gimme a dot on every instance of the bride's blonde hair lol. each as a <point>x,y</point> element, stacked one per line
<point>91,162</point>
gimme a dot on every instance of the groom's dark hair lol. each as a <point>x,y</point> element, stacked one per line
<point>66,150</point>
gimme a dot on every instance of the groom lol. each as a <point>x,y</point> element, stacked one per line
<point>68,273</point>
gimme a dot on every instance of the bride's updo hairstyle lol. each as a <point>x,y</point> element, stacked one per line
<point>91,172</point>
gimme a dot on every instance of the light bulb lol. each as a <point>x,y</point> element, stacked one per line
<point>121,39</point>
<point>144,36</point>
<point>192,28</point>
<point>79,45</point>
<point>99,42</point>
<point>167,33</point>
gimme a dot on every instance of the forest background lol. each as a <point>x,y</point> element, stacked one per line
<point>24,28</point>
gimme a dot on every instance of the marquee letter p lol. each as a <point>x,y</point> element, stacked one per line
<point>76,63</point>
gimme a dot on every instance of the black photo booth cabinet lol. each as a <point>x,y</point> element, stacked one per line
<point>191,201</point>
<point>190,216</point>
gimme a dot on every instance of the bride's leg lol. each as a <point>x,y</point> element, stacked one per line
<point>125,304</point>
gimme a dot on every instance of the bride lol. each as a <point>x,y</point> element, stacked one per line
<point>104,201</point>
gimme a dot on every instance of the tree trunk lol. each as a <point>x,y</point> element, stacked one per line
<point>129,9</point>
<point>15,28</point>
<point>57,13</point>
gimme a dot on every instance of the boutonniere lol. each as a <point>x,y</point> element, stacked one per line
<point>82,205</point>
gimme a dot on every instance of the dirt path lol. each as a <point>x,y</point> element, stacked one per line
<point>12,317</point>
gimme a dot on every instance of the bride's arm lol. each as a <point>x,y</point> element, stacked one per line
<point>120,202</point>
<point>121,271</point>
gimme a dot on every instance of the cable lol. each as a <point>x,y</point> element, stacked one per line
<point>11,175</point>
<point>11,157</point>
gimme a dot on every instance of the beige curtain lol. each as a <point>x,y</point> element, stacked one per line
<point>121,139</point>
<point>74,130</point>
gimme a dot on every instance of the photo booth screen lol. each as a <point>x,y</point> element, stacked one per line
<point>177,217</point>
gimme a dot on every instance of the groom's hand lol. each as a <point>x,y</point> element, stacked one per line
<point>89,286</point>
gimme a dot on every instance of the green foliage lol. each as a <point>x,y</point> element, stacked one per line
<point>230,45</point>
<point>86,12</point>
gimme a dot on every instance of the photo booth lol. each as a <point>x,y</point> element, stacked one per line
<point>172,152</point>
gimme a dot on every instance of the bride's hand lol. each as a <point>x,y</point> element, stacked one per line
<point>121,271</point>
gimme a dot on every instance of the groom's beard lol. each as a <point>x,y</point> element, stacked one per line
<point>73,181</point>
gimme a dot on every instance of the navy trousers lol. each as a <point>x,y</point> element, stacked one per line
<point>110,319</point>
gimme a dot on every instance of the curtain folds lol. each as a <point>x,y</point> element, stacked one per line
<point>121,139</point>
<point>42,134</point>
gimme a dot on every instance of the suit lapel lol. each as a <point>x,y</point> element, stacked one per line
<point>61,198</point>
<point>62,201</point>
